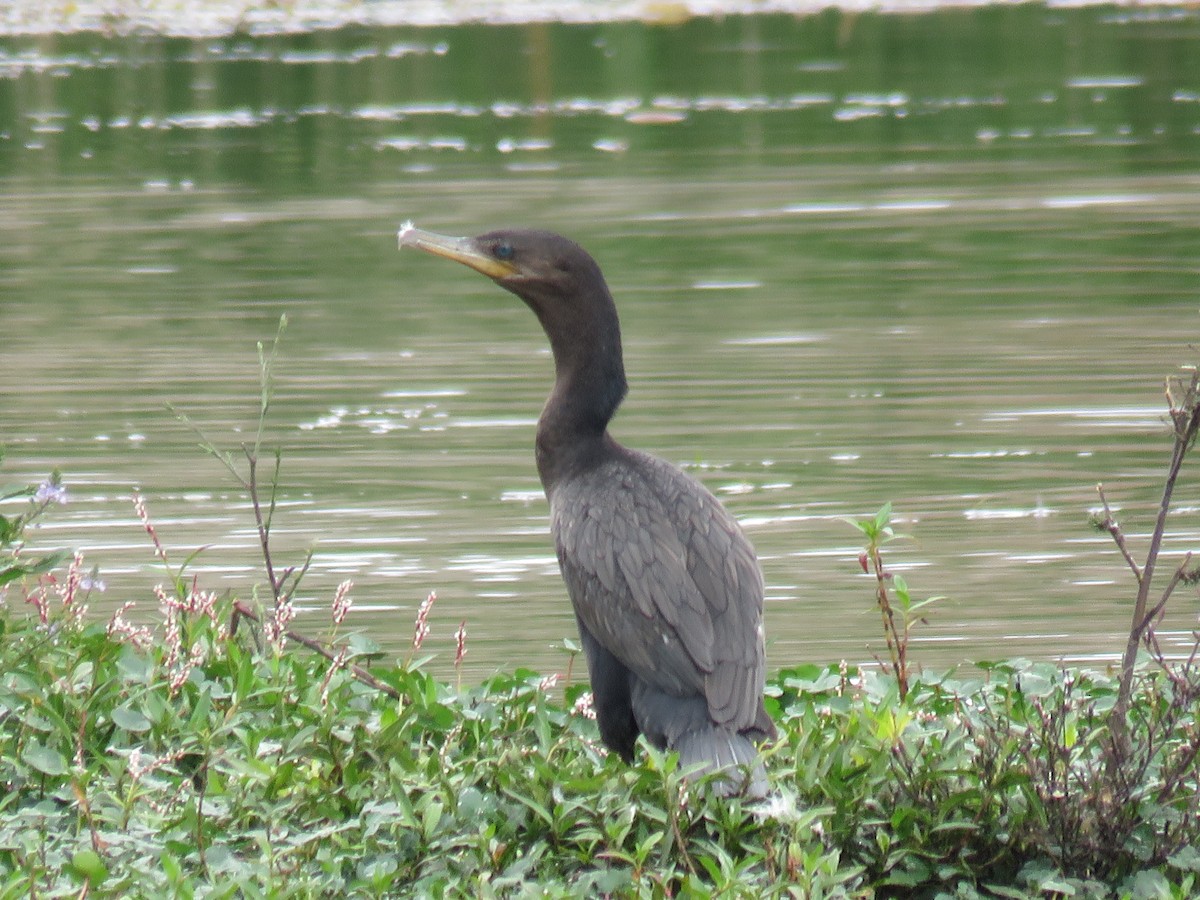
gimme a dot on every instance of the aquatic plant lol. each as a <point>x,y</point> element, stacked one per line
<point>14,565</point>
<point>899,611</point>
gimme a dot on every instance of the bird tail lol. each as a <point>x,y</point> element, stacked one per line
<point>717,749</point>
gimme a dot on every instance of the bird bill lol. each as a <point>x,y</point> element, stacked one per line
<point>459,249</point>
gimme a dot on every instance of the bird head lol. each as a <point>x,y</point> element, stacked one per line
<point>564,287</point>
<point>556,277</point>
<point>538,266</point>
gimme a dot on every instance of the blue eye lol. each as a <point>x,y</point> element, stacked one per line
<point>503,251</point>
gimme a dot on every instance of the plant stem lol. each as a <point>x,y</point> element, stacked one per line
<point>241,609</point>
<point>1186,421</point>
<point>895,646</point>
<point>264,528</point>
<point>1113,528</point>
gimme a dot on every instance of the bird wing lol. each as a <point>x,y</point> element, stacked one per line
<point>661,575</point>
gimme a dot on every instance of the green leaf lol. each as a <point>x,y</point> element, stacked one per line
<point>130,719</point>
<point>246,677</point>
<point>864,527</point>
<point>926,602</point>
<point>45,564</point>
<point>1187,859</point>
<point>361,645</point>
<point>191,557</point>
<point>538,810</point>
<point>431,817</point>
<point>883,517</point>
<point>45,759</point>
<point>9,491</point>
<point>469,802</point>
<point>134,667</point>
<point>171,867</point>
<point>1148,884</point>
<point>88,866</point>
<point>647,844</point>
<point>199,717</point>
<point>1001,891</point>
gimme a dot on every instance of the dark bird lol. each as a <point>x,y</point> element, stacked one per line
<point>666,588</point>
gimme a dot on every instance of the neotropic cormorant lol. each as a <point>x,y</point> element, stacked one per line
<point>666,588</point>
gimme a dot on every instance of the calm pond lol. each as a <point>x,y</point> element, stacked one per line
<point>941,260</point>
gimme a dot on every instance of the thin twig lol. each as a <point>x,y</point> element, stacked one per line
<point>680,842</point>
<point>1161,605</point>
<point>266,365</point>
<point>1191,660</point>
<point>207,445</point>
<point>264,531</point>
<point>316,646</point>
<point>1156,537</point>
<point>271,503</point>
<point>250,483</point>
<point>1112,527</point>
<point>296,578</point>
<point>1185,417</point>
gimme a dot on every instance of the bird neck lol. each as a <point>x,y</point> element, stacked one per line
<point>589,385</point>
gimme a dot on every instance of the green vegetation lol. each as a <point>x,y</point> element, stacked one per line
<point>212,753</point>
<point>211,767</point>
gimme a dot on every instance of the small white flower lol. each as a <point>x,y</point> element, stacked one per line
<point>583,706</point>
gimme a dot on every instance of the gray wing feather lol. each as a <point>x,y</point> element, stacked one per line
<point>663,577</point>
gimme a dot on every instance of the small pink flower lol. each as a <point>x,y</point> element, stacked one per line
<point>180,677</point>
<point>40,601</point>
<point>342,601</point>
<point>338,662</point>
<point>139,765</point>
<point>421,630</point>
<point>121,629</point>
<point>134,763</point>
<point>139,507</point>
<point>201,603</point>
<point>583,706</point>
<point>276,626</point>
<point>68,590</point>
<point>173,634</point>
<point>460,643</point>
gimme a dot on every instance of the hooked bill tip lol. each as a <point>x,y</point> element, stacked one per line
<point>405,229</point>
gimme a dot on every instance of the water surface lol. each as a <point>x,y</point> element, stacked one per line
<point>942,260</point>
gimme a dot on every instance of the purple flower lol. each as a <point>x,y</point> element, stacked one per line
<point>50,492</point>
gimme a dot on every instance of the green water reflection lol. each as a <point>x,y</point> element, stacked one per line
<point>943,260</point>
